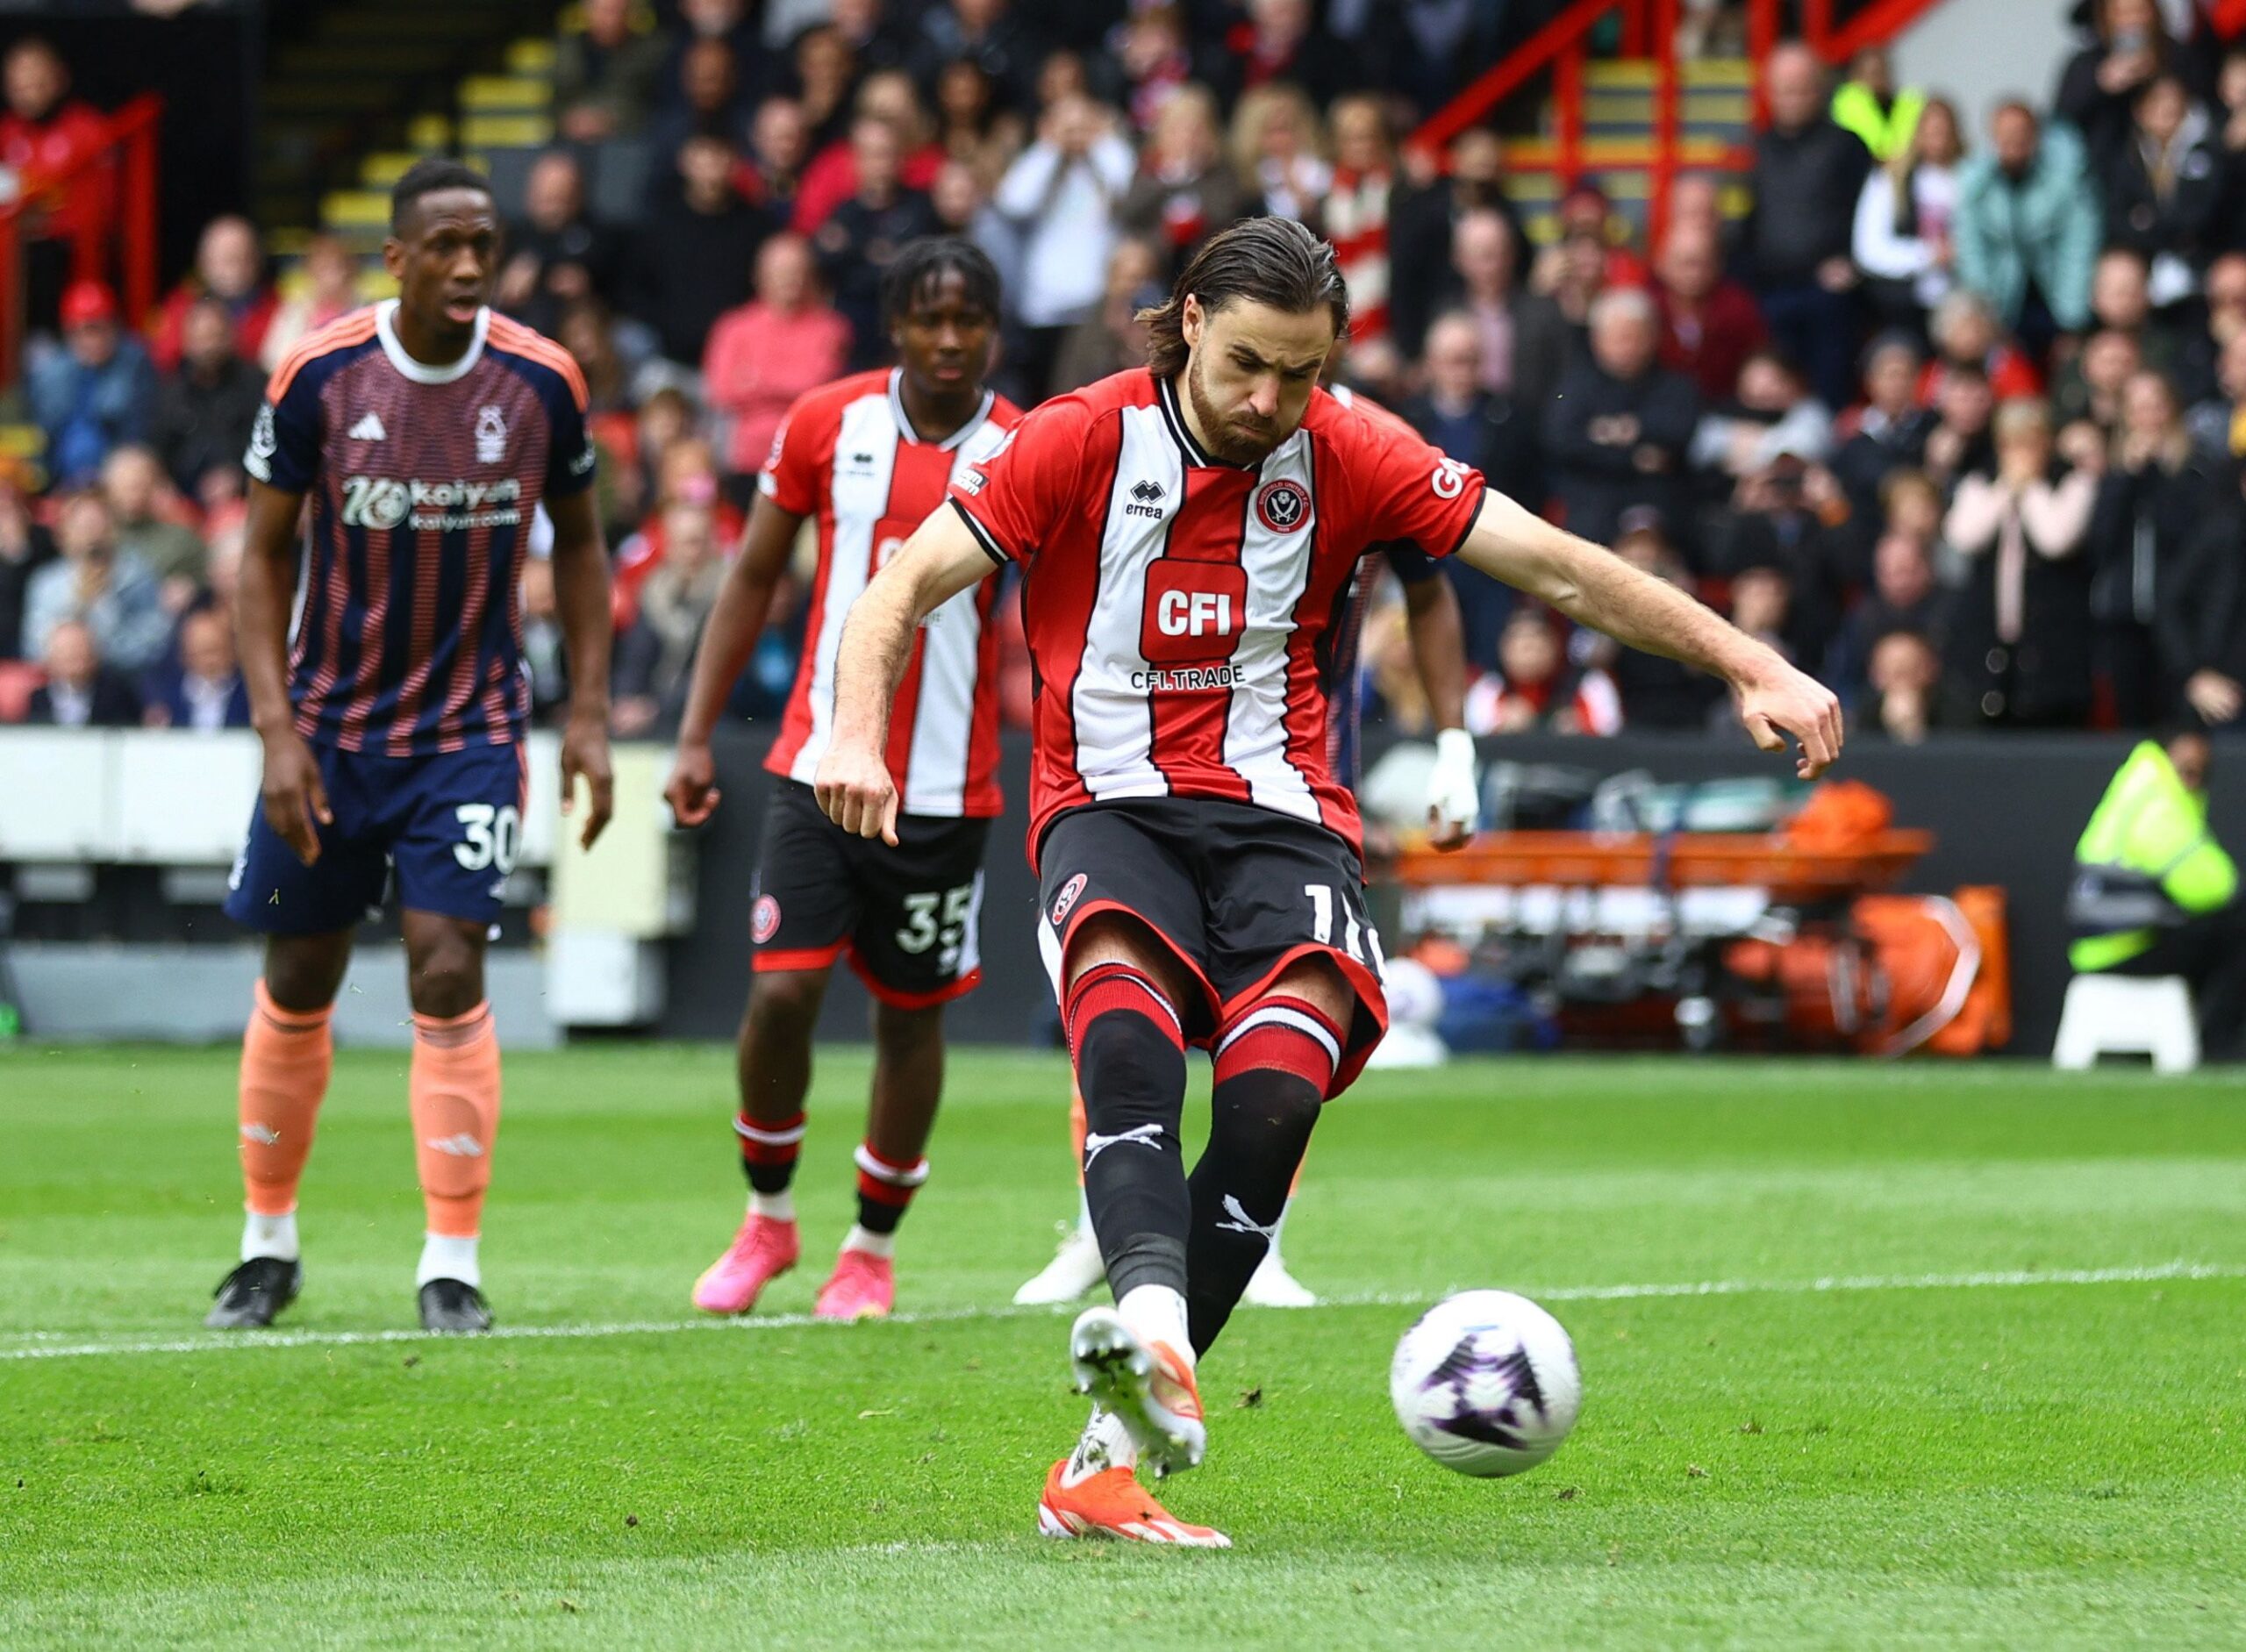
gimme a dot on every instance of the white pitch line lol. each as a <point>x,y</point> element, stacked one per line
<point>219,1342</point>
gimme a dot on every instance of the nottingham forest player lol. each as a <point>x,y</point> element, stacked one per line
<point>1190,530</point>
<point>422,433</point>
<point>870,456</point>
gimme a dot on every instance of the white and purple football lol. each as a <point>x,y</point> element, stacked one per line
<point>1486,1383</point>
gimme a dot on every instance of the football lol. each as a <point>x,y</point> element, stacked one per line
<point>1485,1383</point>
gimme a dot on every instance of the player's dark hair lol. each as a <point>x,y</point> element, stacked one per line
<point>1265,260</point>
<point>921,265</point>
<point>427,177</point>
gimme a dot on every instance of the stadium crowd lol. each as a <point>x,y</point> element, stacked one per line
<point>1954,414</point>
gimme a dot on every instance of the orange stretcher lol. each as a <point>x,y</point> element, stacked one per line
<point>1680,860</point>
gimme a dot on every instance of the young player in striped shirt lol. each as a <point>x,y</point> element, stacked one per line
<point>1189,531</point>
<point>868,457</point>
<point>422,433</point>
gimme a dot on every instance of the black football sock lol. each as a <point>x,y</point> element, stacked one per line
<point>1130,1057</point>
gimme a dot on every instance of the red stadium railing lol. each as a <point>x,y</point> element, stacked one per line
<point>129,158</point>
<point>1648,30</point>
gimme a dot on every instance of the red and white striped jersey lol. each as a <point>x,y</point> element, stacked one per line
<point>847,454</point>
<point>1183,613</point>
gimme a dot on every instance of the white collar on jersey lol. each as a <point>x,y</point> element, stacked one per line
<point>904,422</point>
<point>421,372</point>
<point>1174,416</point>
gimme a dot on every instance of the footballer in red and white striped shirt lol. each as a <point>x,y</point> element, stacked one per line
<point>867,459</point>
<point>1188,533</point>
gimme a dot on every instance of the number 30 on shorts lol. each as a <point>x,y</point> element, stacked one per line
<point>1359,938</point>
<point>938,915</point>
<point>490,836</point>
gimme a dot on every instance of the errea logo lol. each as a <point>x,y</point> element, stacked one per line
<point>1146,500</point>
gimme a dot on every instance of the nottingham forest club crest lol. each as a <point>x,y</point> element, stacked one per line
<point>1283,505</point>
<point>490,436</point>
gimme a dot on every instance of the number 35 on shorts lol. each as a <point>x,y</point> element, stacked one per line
<point>938,917</point>
<point>1357,938</point>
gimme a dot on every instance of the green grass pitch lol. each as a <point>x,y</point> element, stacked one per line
<point>2013,1414</point>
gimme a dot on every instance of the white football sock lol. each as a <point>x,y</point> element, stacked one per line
<point>774,1207</point>
<point>873,1244</point>
<point>1105,1444</point>
<point>446,1257</point>
<point>1156,1313</point>
<point>272,1236</point>
<point>1084,1212</point>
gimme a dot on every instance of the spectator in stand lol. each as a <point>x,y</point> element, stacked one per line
<point>1150,56</point>
<point>971,128</point>
<point>1902,236</point>
<point>725,22</point>
<point>2162,183</point>
<point>654,657</point>
<point>779,145</point>
<point>1904,597</point>
<point>1655,693</point>
<point>1061,195</point>
<point>1761,605</point>
<point>81,690</point>
<point>688,474</point>
<point>1355,219</point>
<point>2027,229</point>
<point>45,130</point>
<point>786,341</point>
<point>963,207</point>
<point>826,73</point>
<point>1790,516</point>
<point>331,291</point>
<point>1617,432</point>
<point>1278,149</point>
<point>1112,338</point>
<point>96,391</point>
<point>1710,324</point>
<point>1807,176</point>
<point>557,256</point>
<point>111,592</point>
<point>25,547</point>
<point>2021,643</point>
<point>832,177</point>
<point>546,662</point>
<point>204,691</point>
<point>1867,103</point>
<point>2218,425</point>
<point>2132,48</point>
<point>1523,337</point>
<point>230,271</point>
<point>2088,390</point>
<point>607,73</point>
<point>2120,301</point>
<point>1422,226</point>
<point>137,493</point>
<point>1280,41</point>
<point>989,31</point>
<point>2228,231</point>
<point>876,40</point>
<point>1910,503</point>
<point>1966,335</point>
<point>1573,273</point>
<point>1962,440</point>
<point>1769,413</point>
<point>862,236</point>
<point>700,238</point>
<point>2155,494</point>
<point>1431,49</point>
<point>2203,612</point>
<point>709,103</point>
<point>1906,699</point>
<point>1495,433</point>
<point>209,402</point>
<point>1889,432</point>
<point>1533,691</point>
<point>1184,192</point>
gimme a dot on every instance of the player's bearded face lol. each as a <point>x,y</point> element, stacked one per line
<point>1249,376</point>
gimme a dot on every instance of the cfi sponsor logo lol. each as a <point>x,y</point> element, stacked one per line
<point>1065,901</point>
<point>764,919</point>
<point>1283,505</point>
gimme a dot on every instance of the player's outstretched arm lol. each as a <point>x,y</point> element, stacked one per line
<point>942,559</point>
<point>728,637</point>
<point>294,799</point>
<point>1598,589</point>
<point>1438,633</point>
<point>580,595</point>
